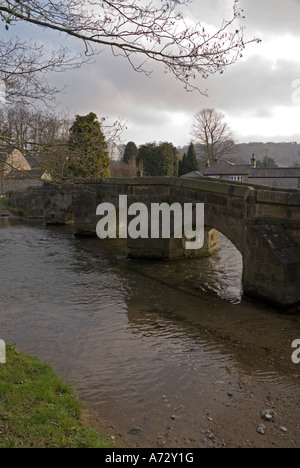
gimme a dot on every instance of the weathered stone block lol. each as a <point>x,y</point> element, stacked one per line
<point>272,197</point>
<point>272,211</point>
<point>218,200</point>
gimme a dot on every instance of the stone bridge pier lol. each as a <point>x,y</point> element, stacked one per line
<point>263,224</point>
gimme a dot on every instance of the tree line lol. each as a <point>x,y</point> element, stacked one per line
<point>158,159</point>
<point>69,150</point>
<point>66,150</point>
<point>210,131</point>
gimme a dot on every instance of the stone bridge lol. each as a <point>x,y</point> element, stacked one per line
<point>263,224</point>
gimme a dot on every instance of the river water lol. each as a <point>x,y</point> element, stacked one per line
<point>171,354</point>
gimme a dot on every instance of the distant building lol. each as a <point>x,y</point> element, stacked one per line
<point>227,171</point>
<point>17,173</point>
<point>13,160</point>
<point>287,178</point>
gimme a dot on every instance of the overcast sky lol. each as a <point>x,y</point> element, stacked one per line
<point>260,95</point>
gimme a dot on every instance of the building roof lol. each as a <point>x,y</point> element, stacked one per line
<point>5,153</point>
<point>226,168</point>
<point>26,174</point>
<point>32,160</point>
<point>193,175</point>
<point>274,173</point>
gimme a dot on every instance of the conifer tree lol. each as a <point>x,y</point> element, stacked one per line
<point>189,162</point>
<point>130,152</point>
<point>88,155</point>
<point>158,159</point>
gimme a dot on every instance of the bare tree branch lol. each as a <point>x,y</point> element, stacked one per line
<point>141,29</point>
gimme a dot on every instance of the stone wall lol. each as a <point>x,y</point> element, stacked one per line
<point>20,184</point>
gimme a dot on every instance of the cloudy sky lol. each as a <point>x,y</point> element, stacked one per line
<point>260,95</point>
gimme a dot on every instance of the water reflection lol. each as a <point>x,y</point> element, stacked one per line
<point>220,274</point>
<point>139,341</point>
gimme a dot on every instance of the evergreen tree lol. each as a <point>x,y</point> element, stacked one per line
<point>191,159</point>
<point>130,152</point>
<point>158,160</point>
<point>175,161</point>
<point>88,156</point>
<point>189,162</point>
<point>182,164</point>
<point>267,163</point>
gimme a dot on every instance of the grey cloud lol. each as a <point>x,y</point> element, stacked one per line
<point>255,83</point>
<point>252,87</point>
<point>263,113</point>
<point>275,16</point>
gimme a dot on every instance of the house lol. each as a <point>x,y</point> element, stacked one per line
<point>13,160</point>
<point>17,172</point>
<point>227,171</point>
<point>286,178</point>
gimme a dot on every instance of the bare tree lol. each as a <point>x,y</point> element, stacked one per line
<point>137,30</point>
<point>214,135</point>
<point>43,136</point>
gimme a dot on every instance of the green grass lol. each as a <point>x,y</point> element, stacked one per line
<point>5,202</point>
<point>38,410</point>
<point>20,211</point>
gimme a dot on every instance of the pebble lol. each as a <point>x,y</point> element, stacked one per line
<point>210,435</point>
<point>268,415</point>
<point>261,429</point>
<point>135,431</point>
<point>283,429</point>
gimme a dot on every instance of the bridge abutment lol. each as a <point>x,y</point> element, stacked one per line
<point>172,249</point>
<point>271,269</point>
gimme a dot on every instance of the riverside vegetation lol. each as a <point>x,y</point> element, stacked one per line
<point>38,410</point>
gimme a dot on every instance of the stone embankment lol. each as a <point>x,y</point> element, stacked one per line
<point>4,213</point>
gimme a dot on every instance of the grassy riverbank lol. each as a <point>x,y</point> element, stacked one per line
<point>38,410</point>
<point>17,211</point>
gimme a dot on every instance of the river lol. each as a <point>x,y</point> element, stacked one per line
<point>170,353</point>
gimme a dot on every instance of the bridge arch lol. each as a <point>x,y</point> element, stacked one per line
<point>228,226</point>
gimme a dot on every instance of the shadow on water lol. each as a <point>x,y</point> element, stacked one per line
<point>143,343</point>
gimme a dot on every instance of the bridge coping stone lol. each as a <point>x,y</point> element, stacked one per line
<point>278,198</point>
<point>235,190</point>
